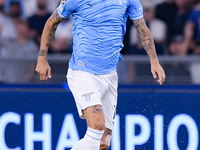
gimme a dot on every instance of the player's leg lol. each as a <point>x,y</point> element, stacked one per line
<point>109,102</point>
<point>85,89</point>
<point>96,125</point>
<point>95,117</point>
<point>105,140</point>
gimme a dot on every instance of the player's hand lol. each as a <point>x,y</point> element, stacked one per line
<point>157,70</point>
<point>43,69</point>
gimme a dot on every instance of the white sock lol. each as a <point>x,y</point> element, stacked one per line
<point>91,140</point>
<point>78,145</point>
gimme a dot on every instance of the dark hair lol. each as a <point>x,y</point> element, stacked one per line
<point>14,2</point>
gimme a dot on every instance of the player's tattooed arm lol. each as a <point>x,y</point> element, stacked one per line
<point>42,53</point>
<point>145,38</point>
<point>148,44</point>
<point>42,67</point>
<point>56,19</point>
<point>49,31</point>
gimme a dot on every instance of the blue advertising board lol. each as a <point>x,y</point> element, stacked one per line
<point>44,117</point>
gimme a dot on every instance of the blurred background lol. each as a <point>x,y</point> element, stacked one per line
<point>174,25</point>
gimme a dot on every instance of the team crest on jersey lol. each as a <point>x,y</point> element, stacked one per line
<point>120,2</point>
<point>87,96</point>
<point>63,2</point>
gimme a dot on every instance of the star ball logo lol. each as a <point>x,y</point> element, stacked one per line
<point>87,96</point>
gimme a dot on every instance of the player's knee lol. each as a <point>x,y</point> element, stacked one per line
<point>99,124</point>
<point>95,117</point>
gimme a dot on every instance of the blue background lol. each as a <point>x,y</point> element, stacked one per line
<point>58,101</point>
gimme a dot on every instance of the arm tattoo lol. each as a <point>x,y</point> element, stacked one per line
<point>97,109</point>
<point>56,19</point>
<point>145,37</point>
<point>50,29</point>
<point>42,53</point>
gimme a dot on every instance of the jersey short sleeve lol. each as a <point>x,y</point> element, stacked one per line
<point>135,10</point>
<point>67,7</point>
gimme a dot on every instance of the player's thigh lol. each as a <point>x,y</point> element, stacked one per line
<point>84,89</point>
<point>95,117</point>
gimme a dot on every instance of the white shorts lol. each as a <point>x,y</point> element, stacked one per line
<point>89,90</point>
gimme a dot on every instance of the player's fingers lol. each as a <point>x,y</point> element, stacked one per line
<point>161,76</point>
<point>160,81</point>
<point>43,76</point>
<point>154,74</point>
<point>49,72</point>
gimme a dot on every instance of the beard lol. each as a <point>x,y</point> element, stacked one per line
<point>16,14</point>
<point>41,6</point>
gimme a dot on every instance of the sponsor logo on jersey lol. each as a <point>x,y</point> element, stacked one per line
<point>87,96</point>
<point>81,64</point>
